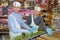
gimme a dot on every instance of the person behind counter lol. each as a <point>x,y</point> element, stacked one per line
<point>15,22</point>
<point>38,20</point>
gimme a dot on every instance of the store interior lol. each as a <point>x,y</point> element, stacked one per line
<point>50,10</point>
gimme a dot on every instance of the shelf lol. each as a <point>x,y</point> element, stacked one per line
<point>3,16</point>
<point>4,29</point>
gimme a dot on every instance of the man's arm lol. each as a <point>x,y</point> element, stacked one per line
<point>12,26</point>
<point>23,24</point>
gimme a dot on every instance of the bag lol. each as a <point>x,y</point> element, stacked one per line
<point>49,31</point>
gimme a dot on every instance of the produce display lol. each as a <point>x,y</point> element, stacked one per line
<point>30,36</point>
<point>4,21</point>
<point>3,25</point>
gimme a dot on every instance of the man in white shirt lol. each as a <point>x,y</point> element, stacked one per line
<point>15,21</point>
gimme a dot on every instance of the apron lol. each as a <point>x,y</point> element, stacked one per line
<point>12,35</point>
<point>33,24</point>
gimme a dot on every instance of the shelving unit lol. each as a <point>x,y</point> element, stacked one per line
<point>4,29</point>
<point>1,26</point>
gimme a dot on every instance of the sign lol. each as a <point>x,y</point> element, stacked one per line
<point>32,0</point>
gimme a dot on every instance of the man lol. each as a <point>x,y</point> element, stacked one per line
<point>4,10</point>
<point>15,22</point>
<point>38,20</point>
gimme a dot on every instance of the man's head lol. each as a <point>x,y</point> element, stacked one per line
<point>16,6</point>
<point>37,10</point>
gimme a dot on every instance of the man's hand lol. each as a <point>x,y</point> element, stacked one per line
<point>35,29</point>
<point>49,31</point>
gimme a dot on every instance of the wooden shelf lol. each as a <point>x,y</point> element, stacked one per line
<point>4,29</point>
<point>3,16</point>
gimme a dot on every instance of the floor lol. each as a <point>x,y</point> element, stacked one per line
<point>4,37</point>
